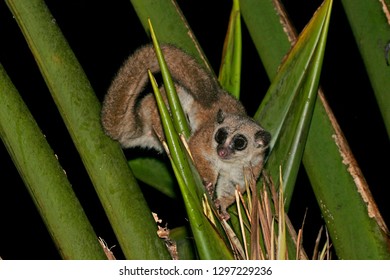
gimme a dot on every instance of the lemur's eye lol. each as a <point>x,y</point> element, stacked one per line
<point>221,135</point>
<point>239,142</point>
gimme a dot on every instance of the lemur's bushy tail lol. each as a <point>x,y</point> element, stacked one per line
<point>119,113</point>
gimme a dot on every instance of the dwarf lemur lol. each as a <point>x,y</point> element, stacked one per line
<point>224,140</point>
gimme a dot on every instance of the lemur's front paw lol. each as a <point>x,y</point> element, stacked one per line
<point>223,214</point>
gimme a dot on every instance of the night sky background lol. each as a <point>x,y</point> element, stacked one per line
<point>102,34</point>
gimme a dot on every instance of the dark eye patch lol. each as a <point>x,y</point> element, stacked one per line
<point>239,142</point>
<point>221,135</point>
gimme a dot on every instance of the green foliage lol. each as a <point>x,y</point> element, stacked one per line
<point>45,178</point>
<point>337,181</point>
<point>370,23</point>
<point>117,189</point>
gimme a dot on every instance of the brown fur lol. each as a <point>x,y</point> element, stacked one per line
<point>132,119</point>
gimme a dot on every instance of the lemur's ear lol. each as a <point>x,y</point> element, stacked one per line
<point>220,116</point>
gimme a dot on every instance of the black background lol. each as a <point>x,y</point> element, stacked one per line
<point>102,34</point>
